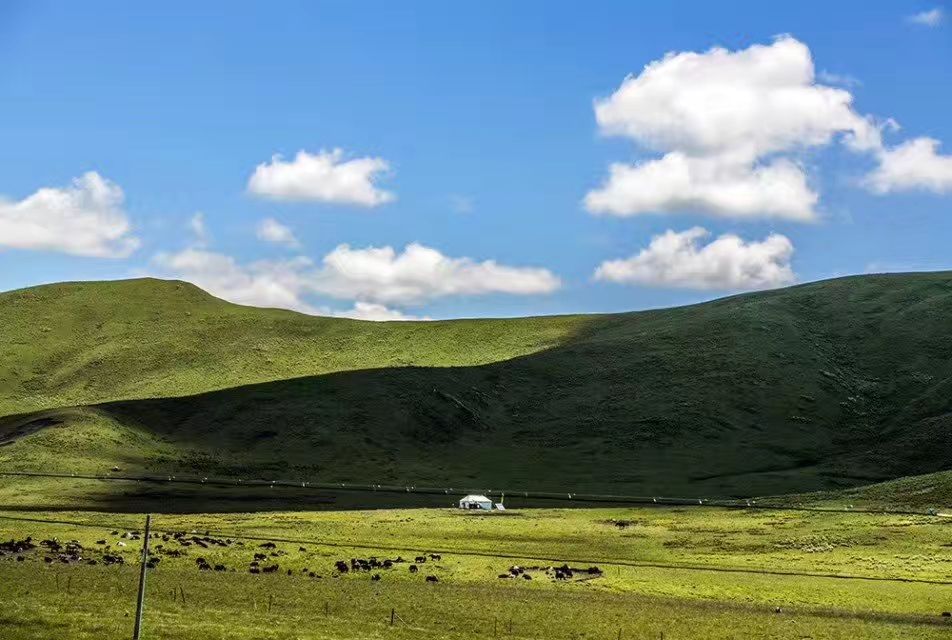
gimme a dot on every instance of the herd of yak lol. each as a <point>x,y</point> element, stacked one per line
<point>264,558</point>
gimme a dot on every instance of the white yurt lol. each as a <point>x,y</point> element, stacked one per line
<point>474,501</point>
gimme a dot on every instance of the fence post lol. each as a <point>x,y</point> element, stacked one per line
<point>393,613</point>
<point>140,600</point>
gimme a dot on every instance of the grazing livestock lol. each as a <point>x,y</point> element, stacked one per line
<point>17,546</point>
<point>526,576</point>
<point>341,566</point>
<point>420,559</point>
<point>268,545</point>
<point>254,570</point>
<point>272,569</point>
<point>563,573</point>
<point>504,576</point>
<point>261,556</point>
<point>435,556</point>
<point>414,568</point>
<point>52,545</point>
<point>375,577</point>
<point>432,579</point>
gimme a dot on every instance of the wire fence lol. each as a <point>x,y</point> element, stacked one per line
<point>771,503</point>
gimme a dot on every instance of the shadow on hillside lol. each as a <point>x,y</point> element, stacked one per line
<point>735,398</point>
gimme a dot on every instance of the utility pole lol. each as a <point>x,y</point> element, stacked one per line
<point>140,601</point>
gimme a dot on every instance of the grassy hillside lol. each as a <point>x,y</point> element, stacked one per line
<point>817,387</point>
<point>932,491</point>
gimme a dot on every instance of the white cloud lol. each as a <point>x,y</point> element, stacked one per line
<point>842,79</point>
<point>913,165</point>
<point>752,102</point>
<point>421,273</point>
<point>277,283</point>
<point>372,278</point>
<point>374,312</point>
<point>675,259</point>
<point>930,18</point>
<point>322,177</point>
<point>721,119</point>
<point>84,219</point>
<point>196,225</point>
<point>679,182</point>
<point>270,230</point>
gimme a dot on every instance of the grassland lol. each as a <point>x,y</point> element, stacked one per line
<point>702,573</point>
<point>839,392</point>
<point>821,387</point>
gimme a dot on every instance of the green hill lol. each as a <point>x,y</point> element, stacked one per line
<point>822,386</point>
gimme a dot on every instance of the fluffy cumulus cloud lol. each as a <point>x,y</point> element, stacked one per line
<point>912,165</point>
<point>420,273</point>
<point>374,279</point>
<point>326,176</point>
<point>719,186</point>
<point>375,312</point>
<point>679,259</point>
<point>83,219</point>
<point>270,230</point>
<point>728,125</point>
<point>266,283</point>
<point>931,18</point>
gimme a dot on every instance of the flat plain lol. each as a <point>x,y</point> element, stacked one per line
<point>682,572</point>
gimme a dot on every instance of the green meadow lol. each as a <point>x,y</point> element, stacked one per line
<point>827,403</point>
<point>686,573</point>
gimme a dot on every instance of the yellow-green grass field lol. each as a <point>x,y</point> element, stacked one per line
<point>684,572</point>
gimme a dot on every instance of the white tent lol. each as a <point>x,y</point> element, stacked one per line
<point>474,501</point>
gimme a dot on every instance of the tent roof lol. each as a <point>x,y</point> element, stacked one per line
<point>474,498</point>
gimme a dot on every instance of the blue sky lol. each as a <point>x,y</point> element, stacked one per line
<point>481,120</point>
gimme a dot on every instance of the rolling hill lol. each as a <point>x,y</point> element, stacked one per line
<point>817,387</point>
